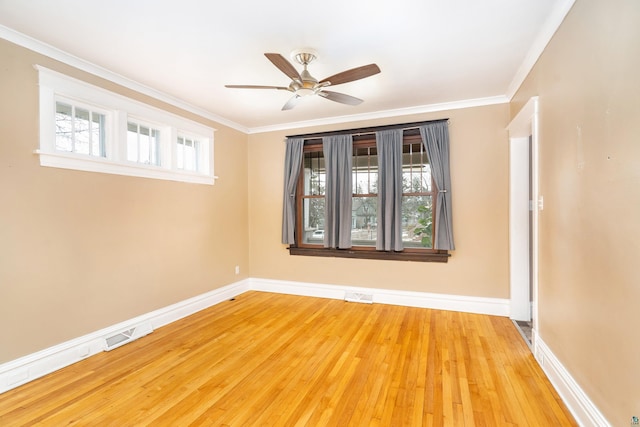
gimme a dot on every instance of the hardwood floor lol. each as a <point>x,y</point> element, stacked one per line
<point>281,360</point>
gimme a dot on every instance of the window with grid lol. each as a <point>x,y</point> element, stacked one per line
<point>418,199</point>
<point>311,220</point>
<point>84,127</point>
<point>187,154</point>
<point>143,144</point>
<point>364,199</point>
<point>79,129</point>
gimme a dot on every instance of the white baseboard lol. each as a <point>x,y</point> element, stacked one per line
<point>30,367</point>
<point>480,305</point>
<point>577,401</point>
<point>36,365</point>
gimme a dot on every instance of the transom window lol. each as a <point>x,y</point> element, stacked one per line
<point>188,151</point>
<point>143,144</point>
<point>87,128</point>
<point>79,130</point>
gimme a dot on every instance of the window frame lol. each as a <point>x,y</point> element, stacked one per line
<point>57,87</point>
<point>92,109</point>
<point>162,140</point>
<point>199,151</point>
<point>366,252</point>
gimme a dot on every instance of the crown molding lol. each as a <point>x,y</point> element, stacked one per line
<point>83,65</point>
<point>421,109</point>
<point>551,26</point>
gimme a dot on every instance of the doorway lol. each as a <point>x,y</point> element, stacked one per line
<point>523,219</point>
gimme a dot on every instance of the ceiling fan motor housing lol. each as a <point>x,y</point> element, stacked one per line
<point>308,85</point>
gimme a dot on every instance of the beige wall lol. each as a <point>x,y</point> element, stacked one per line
<point>588,81</point>
<point>478,266</point>
<point>80,251</point>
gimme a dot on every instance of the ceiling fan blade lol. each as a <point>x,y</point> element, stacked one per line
<point>352,74</point>
<point>340,97</point>
<point>256,87</point>
<point>292,102</point>
<point>283,65</point>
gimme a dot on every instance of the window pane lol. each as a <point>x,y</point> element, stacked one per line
<point>144,143</point>
<point>364,221</point>
<point>196,155</point>
<point>365,170</point>
<point>416,171</point>
<point>132,142</point>
<point>313,220</point>
<point>82,131</point>
<point>97,134</point>
<point>187,154</point>
<point>417,220</point>
<point>79,130</point>
<point>180,154</point>
<point>314,173</point>
<point>155,147</point>
<point>64,127</point>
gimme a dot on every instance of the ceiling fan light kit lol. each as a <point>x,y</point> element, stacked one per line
<point>303,84</point>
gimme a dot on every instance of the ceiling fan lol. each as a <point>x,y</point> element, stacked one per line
<point>304,84</point>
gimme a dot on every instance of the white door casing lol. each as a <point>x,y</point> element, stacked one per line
<point>523,254</point>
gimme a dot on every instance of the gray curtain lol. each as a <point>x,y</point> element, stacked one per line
<point>435,137</point>
<point>292,164</point>
<point>389,146</point>
<point>338,152</point>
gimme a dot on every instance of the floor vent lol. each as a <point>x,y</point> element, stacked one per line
<point>121,338</point>
<point>358,297</point>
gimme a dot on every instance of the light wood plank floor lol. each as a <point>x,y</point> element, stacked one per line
<point>280,360</point>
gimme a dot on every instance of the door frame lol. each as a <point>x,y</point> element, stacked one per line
<point>523,250</point>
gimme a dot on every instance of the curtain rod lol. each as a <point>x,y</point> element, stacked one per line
<point>367,130</point>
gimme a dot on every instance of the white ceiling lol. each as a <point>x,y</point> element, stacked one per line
<point>434,54</point>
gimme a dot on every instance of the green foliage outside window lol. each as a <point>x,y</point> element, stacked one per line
<point>424,229</point>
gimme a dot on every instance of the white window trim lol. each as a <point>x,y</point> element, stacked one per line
<point>51,142</point>
<point>202,155</point>
<point>56,86</point>
<point>164,141</point>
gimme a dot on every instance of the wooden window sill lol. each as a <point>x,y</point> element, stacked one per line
<point>438,256</point>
